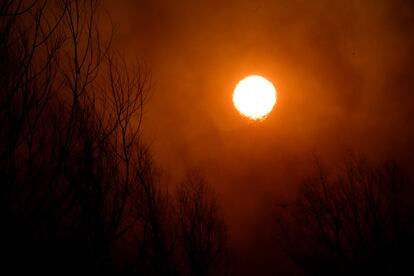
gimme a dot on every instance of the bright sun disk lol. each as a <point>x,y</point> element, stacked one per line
<point>254,97</point>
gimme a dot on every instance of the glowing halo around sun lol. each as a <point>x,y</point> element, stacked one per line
<point>254,97</point>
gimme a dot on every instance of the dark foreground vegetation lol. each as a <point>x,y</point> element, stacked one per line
<point>356,220</point>
<point>80,193</point>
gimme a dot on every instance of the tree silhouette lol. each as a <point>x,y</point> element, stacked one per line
<point>153,227</point>
<point>70,142</point>
<point>202,230</point>
<point>178,234</point>
<point>356,222</point>
<point>80,192</point>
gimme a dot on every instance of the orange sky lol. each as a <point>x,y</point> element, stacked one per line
<point>343,70</point>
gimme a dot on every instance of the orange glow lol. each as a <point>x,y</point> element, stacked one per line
<point>254,97</point>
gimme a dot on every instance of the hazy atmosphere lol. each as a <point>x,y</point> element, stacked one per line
<point>158,119</point>
<point>343,71</point>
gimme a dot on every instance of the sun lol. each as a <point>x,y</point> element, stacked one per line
<point>254,97</point>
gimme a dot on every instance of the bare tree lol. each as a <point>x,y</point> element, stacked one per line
<point>79,188</point>
<point>153,236</point>
<point>71,112</point>
<point>201,227</point>
<point>178,233</point>
<point>356,222</point>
